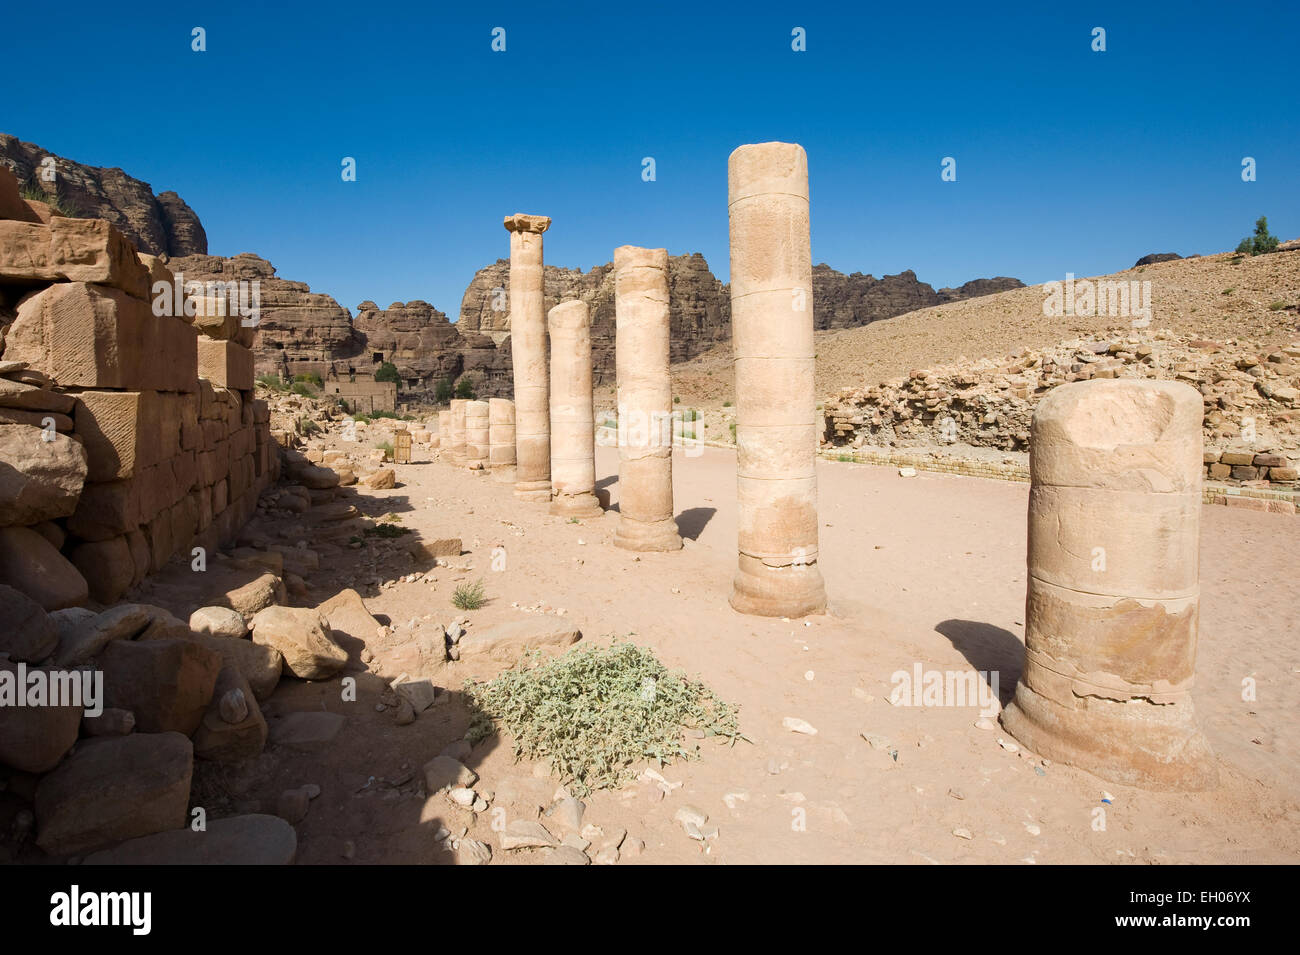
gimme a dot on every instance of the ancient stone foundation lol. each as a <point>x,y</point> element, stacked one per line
<point>573,434</point>
<point>1112,605</point>
<point>443,440</point>
<point>528,351</point>
<point>128,428</point>
<point>776,405</point>
<point>501,440</point>
<point>645,438</point>
<point>456,444</point>
<point>476,435</point>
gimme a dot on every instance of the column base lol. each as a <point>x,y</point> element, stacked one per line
<point>535,492</point>
<point>1136,743</point>
<point>503,474</point>
<point>576,505</point>
<point>764,591</point>
<point>647,535</point>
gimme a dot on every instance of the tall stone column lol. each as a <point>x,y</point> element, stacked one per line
<point>573,429</point>
<point>501,440</point>
<point>645,401</point>
<point>457,431</point>
<point>444,431</point>
<point>1113,596</point>
<point>528,349</point>
<point>476,435</point>
<point>776,405</point>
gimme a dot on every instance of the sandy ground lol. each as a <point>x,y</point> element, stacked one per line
<point>927,570</point>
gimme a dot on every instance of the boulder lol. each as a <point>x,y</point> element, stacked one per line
<point>254,839</point>
<point>29,562</point>
<point>33,738</point>
<point>381,480</point>
<point>256,595</point>
<point>107,566</point>
<point>26,631</point>
<point>167,684</point>
<point>349,618</point>
<point>218,622</point>
<point>39,480</point>
<point>303,637</point>
<point>114,789</point>
<point>80,642</point>
<point>261,666</point>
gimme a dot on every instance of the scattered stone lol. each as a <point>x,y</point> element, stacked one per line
<point>962,834</point>
<point>292,806</point>
<point>607,856</point>
<point>27,633</point>
<point>443,772</point>
<point>526,834</point>
<point>567,813</point>
<point>111,722</point>
<point>473,852</point>
<point>34,738</point>
<point>796,725</point>
<point>566,855</point>
<point>167,684</point>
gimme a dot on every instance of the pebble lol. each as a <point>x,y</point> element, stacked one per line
<point>796,725</point>
<point>956,794</point>
<point>691,814</point>
<point>607,856</point>
<point>1009,746</point>
<point>1032,829</point>
<point>985,724</point>
<point>462,796</point>
<point>473,852</point>
<point>731,798</point>
<point>962,834</point>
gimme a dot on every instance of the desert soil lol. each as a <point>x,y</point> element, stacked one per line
<point>927,570</point>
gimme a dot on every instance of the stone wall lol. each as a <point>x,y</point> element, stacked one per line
<point>128,434</point>
<point>364,396</point>
<point>1251,394</point>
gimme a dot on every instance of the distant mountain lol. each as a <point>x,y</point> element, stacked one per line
<point>159,224</point>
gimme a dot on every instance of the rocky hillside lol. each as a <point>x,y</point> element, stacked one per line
<point>159,224</point>
<point>700,304</point>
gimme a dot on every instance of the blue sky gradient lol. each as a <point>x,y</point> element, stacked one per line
<point>1067,160</point>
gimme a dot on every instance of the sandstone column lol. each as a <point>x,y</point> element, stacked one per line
<point>645,396</point>
<point>501,439</point>
<point>457,445</point>
<point>776,406</point>
<point>528,350</point>
<point>1112,603</point>
<point>476,435</point>
<point>573,438</point>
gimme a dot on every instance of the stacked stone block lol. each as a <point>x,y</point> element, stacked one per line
<point>176,449</point>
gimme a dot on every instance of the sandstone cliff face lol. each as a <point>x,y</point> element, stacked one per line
<point>159,225</point>
<point>300,331</point>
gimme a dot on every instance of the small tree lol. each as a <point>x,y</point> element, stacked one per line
<point>465,389</point>
<point>1260,242</point>
<point>444,391</point>
<point>387,372</point>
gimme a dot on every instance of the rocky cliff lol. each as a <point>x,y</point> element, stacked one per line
<point>158,224</point>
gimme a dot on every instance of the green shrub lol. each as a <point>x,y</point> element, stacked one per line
<point>273,382</point>
<point>594,713</point>
<point>1260,242</point>
<point>361,418</point>
<point>311,378</point>
<point>303,389</point>
<point>387,448</point>
<point>444,391</point>
<point>382,413</point>
<point>387,372</point>
<point>63,205</point>
<point>308,426</point>
<point>465,389</point>
<point>469,596</point>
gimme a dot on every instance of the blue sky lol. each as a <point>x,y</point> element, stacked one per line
<point>1067,159</point>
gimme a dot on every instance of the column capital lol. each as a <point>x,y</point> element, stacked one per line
<point>520,222</point>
